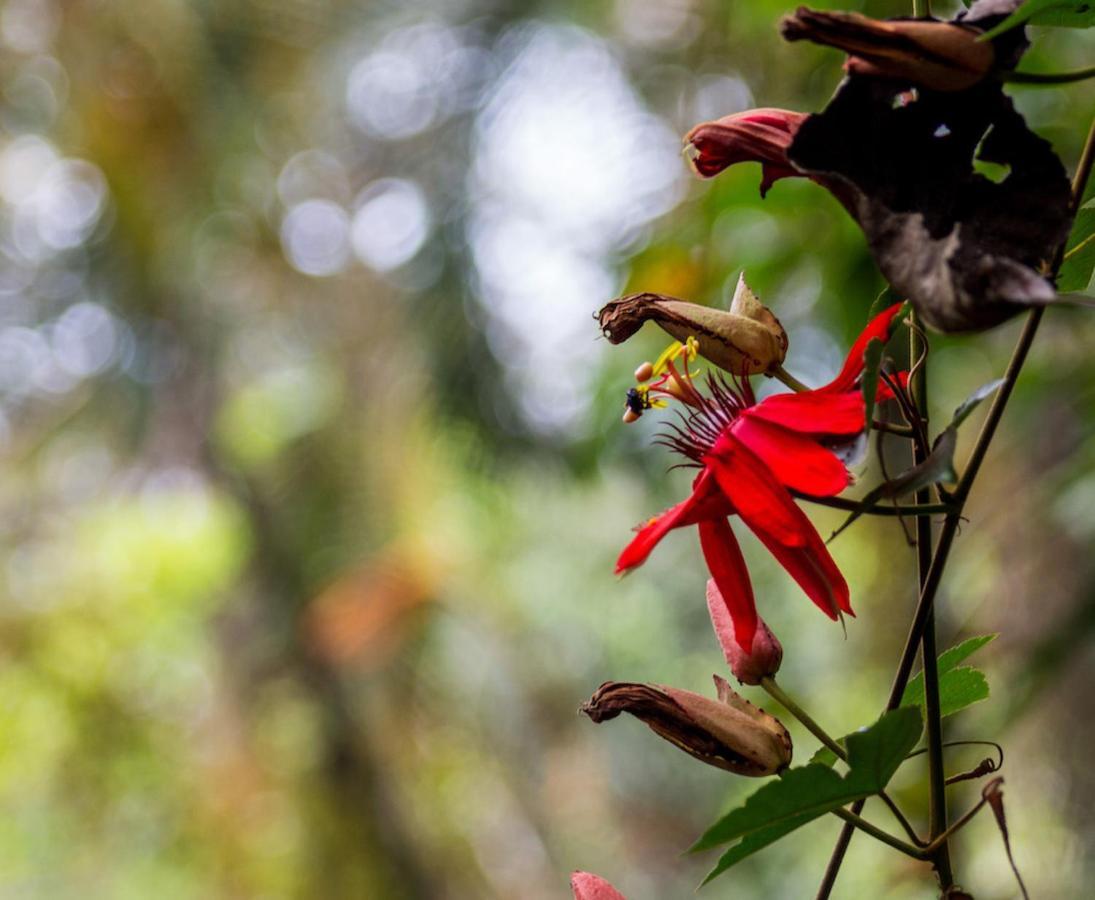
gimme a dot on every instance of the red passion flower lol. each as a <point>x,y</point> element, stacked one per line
<point>751,456</point>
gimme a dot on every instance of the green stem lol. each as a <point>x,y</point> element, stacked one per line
<point>782,697</point>
<point>777,693</point>
<point>910,509</point>
<point>855,821</point>
<point>954,519</point>
<point>788,379</point>
<point>1048,77</point>
<point>941,840</point>
<point>918,389</point>
<point>892,428</point>
<point>922,9</point>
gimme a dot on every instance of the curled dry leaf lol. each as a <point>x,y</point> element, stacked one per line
<point>746,340</point>
<point>969,252</point>
<point>729,733</point>
<point>897,146</point>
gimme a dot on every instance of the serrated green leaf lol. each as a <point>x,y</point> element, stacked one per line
<point>958,687</point>
<point>875,753</point>
<point>758,840</point>
<point>1079,264</point>
<point>802,792</point>
<point>1060,13</point>
<point>806,792</point>
<point>824,755</point>
<point>952,656</point>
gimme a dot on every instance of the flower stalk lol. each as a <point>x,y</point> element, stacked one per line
<point>953,519</point>
<point>788,703</point>
<point>1049,77</point>
<point>933,719</point>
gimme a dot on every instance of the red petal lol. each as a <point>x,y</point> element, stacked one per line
<point>878,327</point>
<point>727,566</point>
<point>813,412</point>
<point>885,392</point>
<point>753,491</point>
<point>814,570</point>
<point>705,502</point>
<point>800,463</point>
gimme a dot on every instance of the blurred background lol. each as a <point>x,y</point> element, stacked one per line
<point>313,471</point>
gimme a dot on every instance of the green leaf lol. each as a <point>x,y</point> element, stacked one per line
<point>959,687</point>
<point>758,840</point>
<point>951,657</point>
<point>806,792</point>
<point>1076,271</point>
<point>1061,13</point>
<point>872,362</point>
<point>824,755</point>
<point>971,402</point>
<point>875,753</point>
<point>938,467</point>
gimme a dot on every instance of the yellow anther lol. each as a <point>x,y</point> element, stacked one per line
<point>692,348</point>
<point>668,355</point>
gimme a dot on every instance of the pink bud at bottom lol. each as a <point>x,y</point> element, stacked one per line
<point>587,886</point>
<point>767,653</point>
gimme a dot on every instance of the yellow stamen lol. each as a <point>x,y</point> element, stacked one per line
<point>668,355</point>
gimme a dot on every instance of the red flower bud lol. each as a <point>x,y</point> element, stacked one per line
<point>941,56</point>
<point>748,667</point>
<point>756,135</point>
<point>587,886</point>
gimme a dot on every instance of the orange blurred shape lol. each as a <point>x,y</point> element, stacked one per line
<point>667,270</point>
<point>363,617</point>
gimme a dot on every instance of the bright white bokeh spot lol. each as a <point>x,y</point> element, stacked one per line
<point>27,364</point>
<point>388,96</point>
<point>315,237</point>
<point>85,340</point>
<point>56,203</point>
<point>564,139</point>
<point>391,223</point>
<point>569,168</point>
<point>69,202</point>
<point>29,26</point>
<point>418,76</point>
<point>23,164</point>
<point>312,174</point>
<point>720,95</point>
<point>657,23</point>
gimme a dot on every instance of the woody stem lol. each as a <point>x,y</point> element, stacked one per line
<point>918,388</point>
<point>908,509</point>
<point>954,518</point>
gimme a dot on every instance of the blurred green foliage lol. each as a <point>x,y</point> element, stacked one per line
<point>314,475</point>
